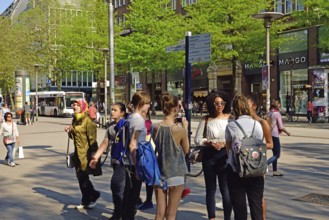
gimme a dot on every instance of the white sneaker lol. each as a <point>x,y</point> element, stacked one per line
<point>80,206</point>
<point>12,164</point>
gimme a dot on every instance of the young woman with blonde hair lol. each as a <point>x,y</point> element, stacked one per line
<point>172,145</point>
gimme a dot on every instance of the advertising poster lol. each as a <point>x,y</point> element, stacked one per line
<point>264,77</point>
<point>19,92</point>
<point>320,91</point>
<point>27,89</point>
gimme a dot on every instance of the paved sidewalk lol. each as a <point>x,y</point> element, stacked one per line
<point>41,187</point>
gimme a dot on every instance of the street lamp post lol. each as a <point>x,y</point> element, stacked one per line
<point>36,67</point>
<point>111,47</point>
<point>268,17</point>
<point>105,51</point>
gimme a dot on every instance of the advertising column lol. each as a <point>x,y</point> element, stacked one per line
<point>22,88</point>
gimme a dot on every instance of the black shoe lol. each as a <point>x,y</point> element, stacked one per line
<point>92,204</point>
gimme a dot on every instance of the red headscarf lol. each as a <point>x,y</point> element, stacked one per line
<point>83,104</point>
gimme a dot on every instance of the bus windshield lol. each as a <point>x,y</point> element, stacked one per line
<point>71,96</point>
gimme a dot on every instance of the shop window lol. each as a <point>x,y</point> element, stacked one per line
<point>293,42</point>
<point>293,93</point>
<point>323,52</point>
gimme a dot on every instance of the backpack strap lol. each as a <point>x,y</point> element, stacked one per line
<point>243,132</point>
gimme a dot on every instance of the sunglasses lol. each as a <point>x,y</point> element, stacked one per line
<point>217,104</point>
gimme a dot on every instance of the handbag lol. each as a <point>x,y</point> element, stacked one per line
<point>9,139</point>
<point>91,151</point>
<point>69,156</point>
<point>196,155</point>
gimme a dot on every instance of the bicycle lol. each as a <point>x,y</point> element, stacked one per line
<point>194,167</point>
<point>291,116</point>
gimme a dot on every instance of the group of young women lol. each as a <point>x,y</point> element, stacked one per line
<point>215,132</point>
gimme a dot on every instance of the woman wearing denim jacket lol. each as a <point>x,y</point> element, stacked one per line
<point>214,154</point>
<point>239,188</point>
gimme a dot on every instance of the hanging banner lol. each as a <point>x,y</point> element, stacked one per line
<point>264,77</point>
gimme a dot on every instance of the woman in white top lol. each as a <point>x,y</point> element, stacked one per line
<point>214,154</point>
<point>10,135</point>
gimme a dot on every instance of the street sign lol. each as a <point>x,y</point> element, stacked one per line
<point>200,37</point>
<point>199,48</point>
<point>199,58</point>
<point>175,48</point>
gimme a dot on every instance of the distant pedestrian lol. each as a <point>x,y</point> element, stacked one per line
<point>83,132</point>
<point>33,111</point>
<point>92,111</point>
<point>27,114</point>
<point>277,128</point>
<point>4,110</point>
<point>172,146</point>
<point>310,107</point>
<point>10,136</point>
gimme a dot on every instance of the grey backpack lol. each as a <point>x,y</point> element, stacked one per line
<point>251,157</point>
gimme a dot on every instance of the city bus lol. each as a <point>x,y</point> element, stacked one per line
<point>55,103</point>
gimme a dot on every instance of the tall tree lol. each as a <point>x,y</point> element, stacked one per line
<point>235,34</point>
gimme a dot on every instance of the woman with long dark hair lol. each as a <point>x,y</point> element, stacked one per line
<point>211,135</point>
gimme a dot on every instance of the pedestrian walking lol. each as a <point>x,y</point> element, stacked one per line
<point>118,114</point>
<point>211,135</point>
<point>277,128</point>
<point>84,134</point>
<point>310,107</point>
<point>240,188</point>
<point>172,145</point>
<point>33,111</point>
<point>10,136</point>
<point>4,110</point>
<point>27,114</point>
<point>147,204</point>
<point>137,134</point>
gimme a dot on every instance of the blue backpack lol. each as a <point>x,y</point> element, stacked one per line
<point>147,164</point>
<point>118,148</point>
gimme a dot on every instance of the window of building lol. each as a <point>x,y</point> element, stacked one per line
<point>293,41</point>
<point>288,7</point>
<point>323,53</point>
<point>299,5</point>
<point>173,4</point>
<point>278,6</point>
<point>184,3</point>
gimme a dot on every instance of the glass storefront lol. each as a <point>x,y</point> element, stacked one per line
<point>293,93</point>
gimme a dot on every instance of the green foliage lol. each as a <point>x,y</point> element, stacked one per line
<point>156,26</point>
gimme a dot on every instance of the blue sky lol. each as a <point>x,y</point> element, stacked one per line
<point>4,5</point>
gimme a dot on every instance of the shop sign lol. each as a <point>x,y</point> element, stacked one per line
<point>295,60</point>
<point>196,73</point>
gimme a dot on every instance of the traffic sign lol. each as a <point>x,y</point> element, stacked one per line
<point>175,48</point>
<point>199,48</point>
<point>200,37</point>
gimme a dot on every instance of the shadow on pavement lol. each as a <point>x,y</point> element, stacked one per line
<point>69,211</point>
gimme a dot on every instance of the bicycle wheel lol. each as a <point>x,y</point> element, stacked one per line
<point>195,170</point>
<point>294,118</point>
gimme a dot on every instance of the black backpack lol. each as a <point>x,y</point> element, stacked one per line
<point>251,157</point>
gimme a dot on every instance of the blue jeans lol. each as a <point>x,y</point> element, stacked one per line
<point>214,168</point>
<point>276,153</point>
<point>10,150</point>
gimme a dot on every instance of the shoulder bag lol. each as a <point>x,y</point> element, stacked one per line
<point>197,153</point>
<point>69,156</point>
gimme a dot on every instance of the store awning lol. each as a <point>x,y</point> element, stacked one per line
<point>202,93</point>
